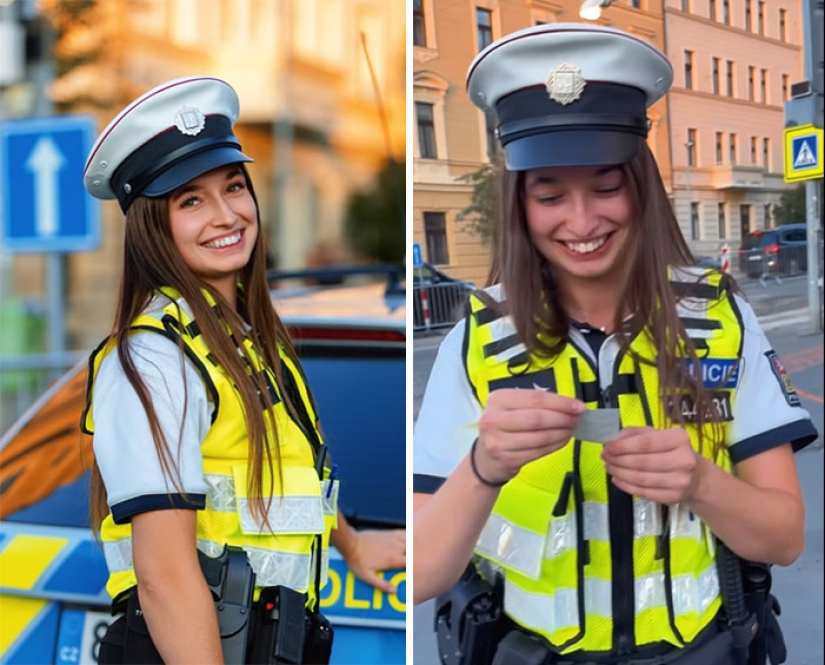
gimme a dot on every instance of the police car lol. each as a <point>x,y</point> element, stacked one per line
<point>349,326</point>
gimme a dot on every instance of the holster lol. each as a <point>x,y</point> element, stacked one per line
<point>468,621</point>
<point>285,633</point>
<point>232,582</point>
<point>769,643</point>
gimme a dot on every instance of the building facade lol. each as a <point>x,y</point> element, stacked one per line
<point>714,200</point>
<point>734,62</point>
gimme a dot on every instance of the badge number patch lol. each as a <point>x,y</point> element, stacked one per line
<point>781,375</point>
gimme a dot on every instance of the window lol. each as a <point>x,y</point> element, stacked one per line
<point>726,12</point>
<point>712,10</point>
<point>723,222</point>
<point>729,77</point>
<point>484,27</point>
<point>763,86</point>
<point>719,149</point>
<point>783,24</point>
<point>785,86</point>
<point>733,151</point>
<point>419,31</point>
<point>754,149</point>
<point>766,154</point>
<point>426,130</point>
<point>691,147</point>
<point>685,5</point>
<point>694,220</point>
<point>751,74</point>
<point>749,15</point>
<point>745,217</point>
<point>760,17</point>
<point>768,224</point>
<point>715,77</point>
<point>634,3</point>
<point>435,231</point>
<point>688,70</point>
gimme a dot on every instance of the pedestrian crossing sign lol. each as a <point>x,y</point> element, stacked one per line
<point>803,153</point>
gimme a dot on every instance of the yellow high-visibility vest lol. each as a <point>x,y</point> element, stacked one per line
<point>300,509</point>
<point>549,533</point>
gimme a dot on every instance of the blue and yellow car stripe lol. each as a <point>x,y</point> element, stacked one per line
<point>44,566</point>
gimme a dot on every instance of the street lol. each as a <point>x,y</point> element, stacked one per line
<point>782,311</point>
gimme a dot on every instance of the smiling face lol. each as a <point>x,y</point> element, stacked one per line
<point>213,221</point>
<point>579,219</point>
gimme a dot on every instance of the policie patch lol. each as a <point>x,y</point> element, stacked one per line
<point>781,375</point>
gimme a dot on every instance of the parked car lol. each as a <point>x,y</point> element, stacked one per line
<point>783,250</point>
<point>352,344</point>
<point>445,297</point>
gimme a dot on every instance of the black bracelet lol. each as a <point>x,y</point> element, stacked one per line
<point>473,466</point>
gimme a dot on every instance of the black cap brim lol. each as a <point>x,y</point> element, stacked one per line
<point>192,167</point>
<point>571,148</point>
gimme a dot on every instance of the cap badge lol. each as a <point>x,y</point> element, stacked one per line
<point>565,83</point>
<point>189,121</point>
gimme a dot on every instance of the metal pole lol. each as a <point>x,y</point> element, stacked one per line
<point>55,261</point>
<point>812,220</point>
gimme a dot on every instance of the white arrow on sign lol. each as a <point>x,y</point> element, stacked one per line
<point>45,161</point>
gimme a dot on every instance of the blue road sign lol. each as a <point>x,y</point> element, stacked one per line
<point>804,153</point>
<point>43,204</point>
<point>417,261</point>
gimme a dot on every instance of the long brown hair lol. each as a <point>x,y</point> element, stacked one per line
<point>655,244</point>
<point>151,261</point>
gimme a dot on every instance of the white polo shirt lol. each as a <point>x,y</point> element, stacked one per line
<point>767,411</point>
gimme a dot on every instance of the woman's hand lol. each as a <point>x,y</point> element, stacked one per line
<point>372,551</point>
<point>519,426</point>
<point>659,465</point>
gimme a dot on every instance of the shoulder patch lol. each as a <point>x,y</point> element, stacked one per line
<point>781,375</point>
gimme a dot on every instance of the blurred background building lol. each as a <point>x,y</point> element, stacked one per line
<point>309,109</point>
<point>717,136</point>
<point>322,92</point>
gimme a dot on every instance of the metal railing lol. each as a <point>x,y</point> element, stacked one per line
<point>439,305</point>
<point>774,263</point>
<point>24,378</point>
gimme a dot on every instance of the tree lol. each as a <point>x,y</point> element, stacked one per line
<point>479,217</point>
<point>375,222</point>
<point>791,207</point>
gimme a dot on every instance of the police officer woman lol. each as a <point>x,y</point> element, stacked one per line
<point>205,431</point>
<point>606,413</point>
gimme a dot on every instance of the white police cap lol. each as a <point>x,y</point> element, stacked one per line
<point>165,138</point>
<point>569,94</point>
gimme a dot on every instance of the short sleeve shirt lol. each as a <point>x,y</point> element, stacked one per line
<point>767,412</point>
<point>123,444</point>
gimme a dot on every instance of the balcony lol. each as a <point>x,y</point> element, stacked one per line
<point>737,177</point>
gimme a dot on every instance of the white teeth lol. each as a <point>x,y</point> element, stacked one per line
<point>234,239</point>
<point>586,247</point>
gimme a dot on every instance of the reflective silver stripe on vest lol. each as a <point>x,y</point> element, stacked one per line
<point>559,610</point>
<point>271,567</point>
<point>274,568</point>
<point>220,492</point>
<point>289,514</point>
<point>501,329</point>
<point>118,554</point>
<point>523,550</point>
<point>513,545</point>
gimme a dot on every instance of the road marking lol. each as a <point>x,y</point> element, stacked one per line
<point>783,319</point>
<point>815,398</point>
